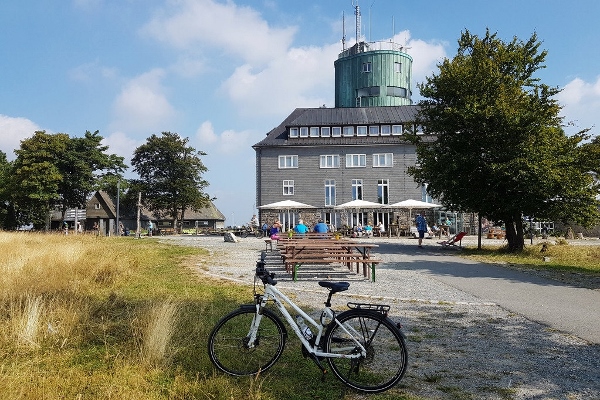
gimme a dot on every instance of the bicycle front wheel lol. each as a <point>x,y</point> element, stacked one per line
<point>229,346</point>
<point>386,358</point>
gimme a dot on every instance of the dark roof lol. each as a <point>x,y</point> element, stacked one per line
<point>339,117</point>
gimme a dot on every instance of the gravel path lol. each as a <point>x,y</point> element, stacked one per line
<point>460,346</point>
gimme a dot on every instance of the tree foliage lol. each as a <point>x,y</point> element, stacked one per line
<point>170,174</point>
<point>498,146</point>
<point>57,171</point>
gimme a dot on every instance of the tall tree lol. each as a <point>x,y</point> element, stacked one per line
<point>57,171</point>
<point>36,177</point>
<point>499,148</point>
<point>170,174</point>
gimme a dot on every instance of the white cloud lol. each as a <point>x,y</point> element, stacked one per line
<point>302,77</point>
<point>121,144</point>
<point>12,131</point>
<point>425,55</point>
<point>142,105</point>
<point>228,143</point>
<point>90,72</point>
<point>581,103</point>
<point>234,29</point>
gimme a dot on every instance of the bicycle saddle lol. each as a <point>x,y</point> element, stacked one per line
<point>335,286</point>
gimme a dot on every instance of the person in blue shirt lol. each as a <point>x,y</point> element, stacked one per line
<point>421,228</point>
<point>301,228</point>
<point>321,227</point>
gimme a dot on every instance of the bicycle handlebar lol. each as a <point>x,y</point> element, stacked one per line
<point>264,275</point>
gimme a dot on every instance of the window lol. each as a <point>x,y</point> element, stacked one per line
<point>386,130</point>
<point>383,160</point>
<point>288,161</point>
<point>361,131</point>
<point>293,132</point>
<point>398,67</point>
<point>374,130</point>
<point>330,161</point>
<point>336,131</point>
<point>330,192</point>
<point>396,129</point>
<point>314,131</point>
<point>96,206</point>
<point>357,189</point>
<point>366,67</point>
<point>397,91</point>
<point>356,160</point>
<point>348,131</point>
<point>303,131</point>
<point>368,91</point>
<point>325,131</point>
<point>383,188</point>
<point>288,188</point>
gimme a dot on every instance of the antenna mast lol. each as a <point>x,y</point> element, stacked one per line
<point>357,13</point>
<point>343,31</point>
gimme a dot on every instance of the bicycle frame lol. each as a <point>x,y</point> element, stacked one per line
<point>280,300</point>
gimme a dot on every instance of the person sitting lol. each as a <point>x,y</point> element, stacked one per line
<point>320,227</point>
<point>381,228</point>
<point>300,228</point>
<point>436,231</point>
<point>275,230</point>
<point>368,230</point>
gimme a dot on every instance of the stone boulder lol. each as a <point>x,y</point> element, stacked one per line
<point>230,237</point>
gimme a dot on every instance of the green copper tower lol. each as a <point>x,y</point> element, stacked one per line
<point>372,74</point>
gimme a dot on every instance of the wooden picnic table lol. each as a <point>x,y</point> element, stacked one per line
<point>296,252</point>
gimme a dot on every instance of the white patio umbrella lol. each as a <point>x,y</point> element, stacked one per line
<point>356,204</point>
<point>286,205</point>
<point>410,204</point>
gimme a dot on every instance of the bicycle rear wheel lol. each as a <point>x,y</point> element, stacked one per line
<point>386,359</point>
<point>229,348</point>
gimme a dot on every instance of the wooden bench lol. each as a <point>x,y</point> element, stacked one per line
<point>368,264</point>
<point>269,244</point>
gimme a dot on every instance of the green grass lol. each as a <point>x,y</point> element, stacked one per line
<point>562,257</point>
<point>98,300</point>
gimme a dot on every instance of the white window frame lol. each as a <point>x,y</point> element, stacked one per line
<point>348,131</point>
<point>356,160</point>
<point>314,131</point>
<point>383,160</point>
<point>398,67</point>
<point>293,132</point>
<point>361,130</point>
<point>288,161</point>
<point>367,67</point>
<point>304,131</point>
<point>397,129</point>
<point>288,187</point>
<point>329,161</point>
<point>336,131</point>
<point>385,130</point>
<point>325,131</point>
<point>330,192</point>
<point>383,185</point>
<point>373,130</point>
<point>358,185</point>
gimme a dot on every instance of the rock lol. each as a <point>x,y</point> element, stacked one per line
<point>230,237</point>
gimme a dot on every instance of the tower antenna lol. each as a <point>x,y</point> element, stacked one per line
<point>357,14</point>
<point>343,31</point>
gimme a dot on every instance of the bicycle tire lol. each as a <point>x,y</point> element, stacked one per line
<point>228,342</point>
<point>387,357</point>
<point>244,234</point>
<point>259,234</point>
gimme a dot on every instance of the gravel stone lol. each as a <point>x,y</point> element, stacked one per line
<point>460,346</point>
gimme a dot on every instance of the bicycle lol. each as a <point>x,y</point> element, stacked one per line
<point>363,347</point>
<point>257,233</point>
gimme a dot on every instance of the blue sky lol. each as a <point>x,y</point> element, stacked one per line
<point>223,73</point>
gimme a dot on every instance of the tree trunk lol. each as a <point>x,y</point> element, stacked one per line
<point>514,234</point>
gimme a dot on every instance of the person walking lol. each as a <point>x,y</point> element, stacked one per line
<point>421,228</point>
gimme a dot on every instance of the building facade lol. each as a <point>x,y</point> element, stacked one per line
<point>325,157</point>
